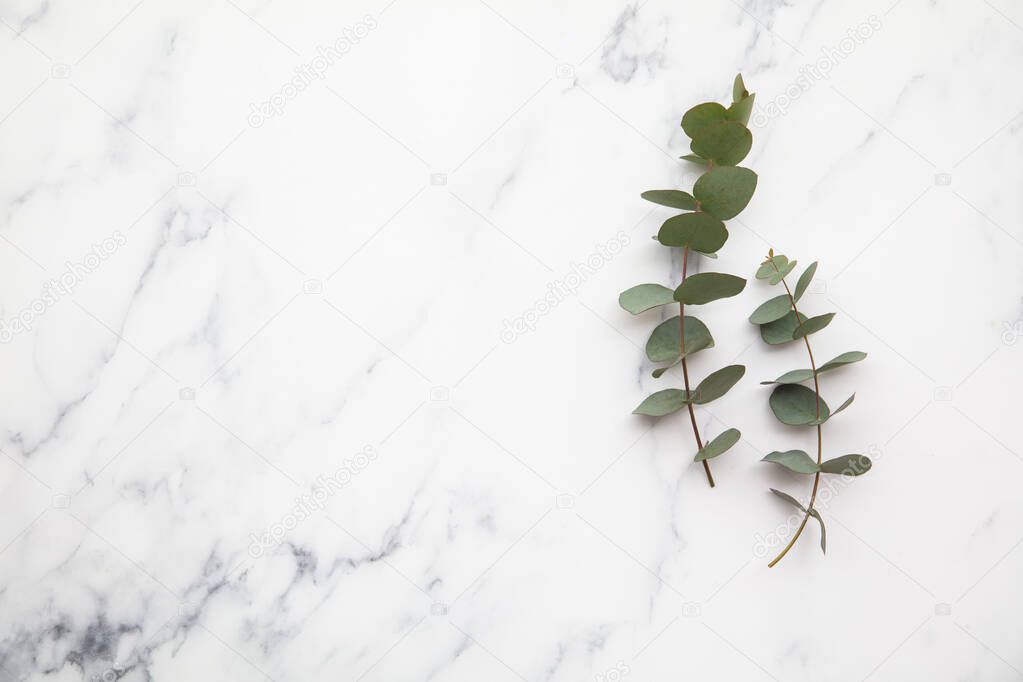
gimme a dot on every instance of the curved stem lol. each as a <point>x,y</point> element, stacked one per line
<point>820,446</point>
<point>685,367</point>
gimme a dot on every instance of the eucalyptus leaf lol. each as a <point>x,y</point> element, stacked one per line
<point>813,512</point>
<point>741,110</point>
<point>719,445</point>
<point>805,279</point>
<point>717,384</point>
<point>793,377</point>
<point>696,120</point>
<point>726,143</point>
<point>644,297</point>
<point>663,344</point>
<point>772,266</point>
<point>699,231</point>
<point>708,286</point>
<point>772,309</point>
<point>782,273</point>
<point>841,360</point>
<point>693,158</point>
<point>796,405</point>
<point>793,460</point>
<point>812,325</point>
<point>780,331</point>
<point>673,198</point>
<point>725,191</point>
<point>663,402</point>
<point>847,403</point>
<point>739,91</point>
<point>657,373</point>
<point>847,465</point>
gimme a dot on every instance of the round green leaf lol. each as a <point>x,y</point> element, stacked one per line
<point>847,465</point>
<point>699,117</point>
<point>796,405</point>
<point>699,231</point>
<point>661,403</point>
<point>781,330</point>
<point>725,142</point>
<point>793,460</point>
<point>663,344</point>
<point>804,279</point>
<point>717,384</point>
<point>708,286</point>
<point>719,445</point>
<point>644,297</point>
<point>771,310</point>
<point>842,360</point>
<point>725,191</point>
<point>673,198</point>
<point>813,325</point>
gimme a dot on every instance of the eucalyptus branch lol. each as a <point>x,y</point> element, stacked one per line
<point>793,403</point>
<point>720,140</point>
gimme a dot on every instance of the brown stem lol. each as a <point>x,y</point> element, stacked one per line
<point>820,447</point>
<point>685,367</point>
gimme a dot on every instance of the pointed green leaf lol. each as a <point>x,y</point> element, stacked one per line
<point>813,325</point>
<point>717,384</point>
<point>725,191</point>
<point>741,110</point>
<point>793,460</point>
<point>738,88</point>
<point>847,465</point>
<point>793,377</point>
<point>644,297</point>
<point>657,373</point>
<point>777,277</point>
<point>693,158</point>
<point>663,344</point>
<point>842,360</point>
<point>796,405</point>
<point>847,403</point>
<point>661,403</point>
<point>813,512</point>
<point>699,231</point>
<point>699,117</point>
<point>772,309</point>
<point>804,280</point>
<point>725,142</point>
<point>719,445</point>
<point>708,286</point>
<point>772,266</point>
<point>781,330</point>
<point>673,198</point>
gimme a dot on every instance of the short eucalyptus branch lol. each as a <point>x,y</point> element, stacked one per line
<point>792,402</point>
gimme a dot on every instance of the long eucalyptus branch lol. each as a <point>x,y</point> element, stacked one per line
<point>685,367</point>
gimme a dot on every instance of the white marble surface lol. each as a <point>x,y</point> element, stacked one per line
<point>260,303</point>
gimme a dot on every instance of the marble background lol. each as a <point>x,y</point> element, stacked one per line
<point>288,393</point>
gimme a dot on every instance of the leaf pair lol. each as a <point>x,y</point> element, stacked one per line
<point>715,385</point>
<point>720,135</point>
<point>801,463</point>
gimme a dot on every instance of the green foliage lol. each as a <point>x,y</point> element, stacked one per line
<point>719,139</point>
<point>794,403</point>
<point>644,297</point>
